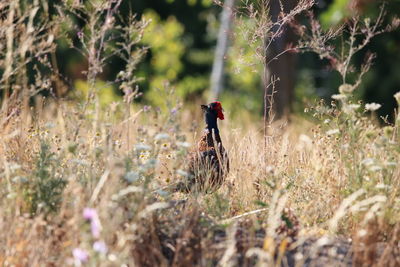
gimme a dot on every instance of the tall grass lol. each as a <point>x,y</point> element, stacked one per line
<point>85,184</point>
<point>337,178</point>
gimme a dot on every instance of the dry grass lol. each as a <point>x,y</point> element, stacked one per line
<point>333,183</point>
<point>82,183</point>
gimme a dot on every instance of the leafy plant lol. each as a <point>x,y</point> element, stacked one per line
<point>46,184</point>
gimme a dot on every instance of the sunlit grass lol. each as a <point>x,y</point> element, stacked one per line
<point>336,177</point>
<point>85,179</point>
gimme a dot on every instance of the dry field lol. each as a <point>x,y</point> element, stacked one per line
<point>79,189</point>
<point>85,183</point>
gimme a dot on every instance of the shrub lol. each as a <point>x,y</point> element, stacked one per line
<point>46,185</point>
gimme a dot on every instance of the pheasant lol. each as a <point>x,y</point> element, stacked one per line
<point>208,165</point>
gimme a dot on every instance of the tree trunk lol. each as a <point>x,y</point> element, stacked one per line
<point>279,67</point>
<point>217,74</point>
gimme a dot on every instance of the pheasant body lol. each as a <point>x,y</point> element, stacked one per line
<point>208,165</point>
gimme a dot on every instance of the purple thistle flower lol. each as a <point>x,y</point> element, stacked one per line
<point>80,256</point>
<point>95,225</point>
<point>146,108</point>
<point>90,214</point>
<point>100,247</point>
<point>80,34</point>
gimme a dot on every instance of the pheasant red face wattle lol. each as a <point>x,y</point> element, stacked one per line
<point>220,115</point>
<point>218,108</point>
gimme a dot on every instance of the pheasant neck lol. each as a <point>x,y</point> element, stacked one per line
<point>211,122</point>
<point>212,134</point>
<point>212,128</point>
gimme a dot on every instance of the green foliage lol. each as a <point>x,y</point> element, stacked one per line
<point>191,86</point>
<point>166,67</point>
<point>166,46</point>
<point>336,12</point>
<point>243,68</point>
<point>304,90</point>
<point>164,40</point>
<point>105,92</point>
<point>46,185</point>
<point>205,3</point>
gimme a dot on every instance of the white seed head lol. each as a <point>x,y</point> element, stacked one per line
<point>397,97</point>
<point>346,88</point>
<point>333,132</point>
<point>372,106</point>
<point>161,136</point>
<point>339,96</point>
<point>362,232</point>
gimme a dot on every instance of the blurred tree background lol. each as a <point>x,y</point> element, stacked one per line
<point>180,40</point>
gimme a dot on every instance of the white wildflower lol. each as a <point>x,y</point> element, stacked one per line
<point>391,164</point>
<point>141,147</point>
<point>121,74</point>
<point>117,142</point>
<point>80,162</point>
<point>151,163</point>
<point>270,169</point>
<point>162,193</point>
<point>14,166</point>
<point>19,179</point>
<point>12,195</point>
<point>183,144</point>
<point>182,173</point>
<point>346,88</point>
<point>49,125</point>
<point>323,241</point>
<point>339,96</point>
<point>372,106</point>
<point>350,108</point>
<point>298,256</point>
<point>375,168</point>
<point>305,139</point>
<point>362,232</point>
<point>153,207</point>
<point>112,257</point>
<point>161,136</point>
<point>354,106</point>
<point>345,146</point>
<point>130,189</point>
<point>380,186</point>
<point>132,176</point>
<point>367,161</point>
<point>333,132</point>
<point>144,156</point>
<point>397,97</point>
